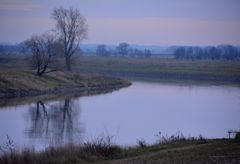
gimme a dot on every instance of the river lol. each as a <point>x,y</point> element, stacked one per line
<point>137,112</point>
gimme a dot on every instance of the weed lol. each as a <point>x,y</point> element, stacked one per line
<point>102,146</point>
<point>178,138</point>
<point>8,146</point>
<point>141,143</point>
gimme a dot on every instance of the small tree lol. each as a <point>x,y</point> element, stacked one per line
<point>42,49</point>
<point>180,53</point>
<point>71,28</point>
<point>123,49</point>
<point>147,53</point>
<point>102,50</point>
<point>137,53</point>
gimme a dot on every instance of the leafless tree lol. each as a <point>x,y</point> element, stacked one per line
<point>42,48</point>
<point>102,50</point>
<point>123,49</point>
<point>71,28</point>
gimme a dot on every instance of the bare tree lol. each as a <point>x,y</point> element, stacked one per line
<point>123,49</point>
<point>102,50</point>
<point>42,49</point>
<point>147,53</point>
<point>72,29</point>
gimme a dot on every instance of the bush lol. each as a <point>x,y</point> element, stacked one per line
<point>102,146</point>
<point>178,138</point>
<point>141,143</point>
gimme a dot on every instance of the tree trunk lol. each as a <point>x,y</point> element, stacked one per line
<point>40,73</point>
<point>68,64</point>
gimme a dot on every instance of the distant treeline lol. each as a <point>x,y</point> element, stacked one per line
<point>221,52</point>
<point>123,50</point>
<point>11,48</point>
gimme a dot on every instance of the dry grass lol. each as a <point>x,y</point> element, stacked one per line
<point>25,83</point>
<point>103,150</point>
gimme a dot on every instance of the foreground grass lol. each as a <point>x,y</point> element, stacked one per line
<point>157,69</point>
<point>103,151</point>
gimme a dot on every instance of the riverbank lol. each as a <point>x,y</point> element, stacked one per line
<point>172,150</point>
<point>22,83</point>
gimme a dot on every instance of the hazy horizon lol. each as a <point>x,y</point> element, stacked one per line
<point>140,22</point>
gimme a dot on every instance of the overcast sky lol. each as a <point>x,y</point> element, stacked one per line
<point>150,22</point>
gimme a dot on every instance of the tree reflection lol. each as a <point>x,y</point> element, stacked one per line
<point>57,122</point>
<point>40,120</point>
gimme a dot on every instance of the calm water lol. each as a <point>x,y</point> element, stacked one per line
<point>137,112</point>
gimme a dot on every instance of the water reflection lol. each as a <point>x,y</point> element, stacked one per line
<point>57,123</point>
<point>39,120</point>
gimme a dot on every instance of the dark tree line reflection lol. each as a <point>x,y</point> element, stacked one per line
<point>57,122</point>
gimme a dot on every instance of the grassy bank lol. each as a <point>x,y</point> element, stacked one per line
<point>157,69</point>
<point>172,150</point>
<point>20,83</point>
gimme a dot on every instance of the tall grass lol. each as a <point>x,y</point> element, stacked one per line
<point>99,149</point>
<point>177,138</point>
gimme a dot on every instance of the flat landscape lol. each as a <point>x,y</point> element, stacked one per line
<point>153,69</point>
<point>15,76</point>
<point>120,82</point>
<point>160,69</point>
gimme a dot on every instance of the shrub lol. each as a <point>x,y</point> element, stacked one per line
<point>141,143</point>
<point>102,146</point>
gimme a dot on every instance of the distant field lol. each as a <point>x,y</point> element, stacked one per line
<point>163,69</point>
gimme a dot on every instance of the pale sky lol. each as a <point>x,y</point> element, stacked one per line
<point>150,22</point>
